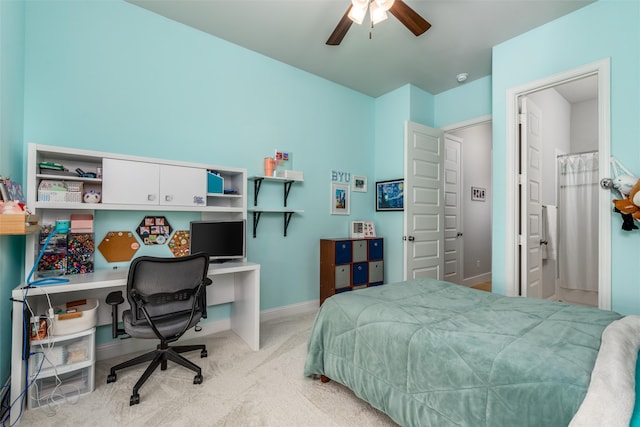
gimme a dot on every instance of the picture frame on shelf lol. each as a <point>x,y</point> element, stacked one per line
<point>390,195</point>
<point>340,199</point>
<point>359,184</point>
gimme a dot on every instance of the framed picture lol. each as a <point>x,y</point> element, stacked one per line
<point>390,195</point>
<point>478,194</point>
<point>359,183</point>
<point>340,203</point>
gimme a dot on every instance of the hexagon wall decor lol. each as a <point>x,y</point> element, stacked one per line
<point>179,243</point>
<point>154,230</point>
<point>118,246</point>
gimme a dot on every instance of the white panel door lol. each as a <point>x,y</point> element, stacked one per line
<point>453,242</point>
<point>129,182</point>
<point>423,205</point>
<point>531,207</point>
<point>183,186</point>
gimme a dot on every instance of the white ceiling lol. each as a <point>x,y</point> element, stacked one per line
<point>294,32</point>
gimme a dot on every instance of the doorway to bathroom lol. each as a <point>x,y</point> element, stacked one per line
<point>561,147</point>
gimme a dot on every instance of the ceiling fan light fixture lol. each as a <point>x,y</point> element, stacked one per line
<point>385,4</point>
<point>362,4</point>
<point>357,13</point>
<point>378,14</point>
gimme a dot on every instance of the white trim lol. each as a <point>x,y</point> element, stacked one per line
<point>125,346</point>
<point>468,123</point>
<point>602,70</point>
<point>289,310</point>
<point>480,278</point>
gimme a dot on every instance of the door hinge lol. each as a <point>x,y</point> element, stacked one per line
<point>521,118</point>
<point>520,240</point>
<point>521,179</point>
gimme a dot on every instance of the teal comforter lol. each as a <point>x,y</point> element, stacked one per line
<point>431,353</point>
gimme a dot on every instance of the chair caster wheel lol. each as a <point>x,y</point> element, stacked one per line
<point>204,353</point>
<point>197,379</point>
<point>135,399</point>
<point>111,378</point>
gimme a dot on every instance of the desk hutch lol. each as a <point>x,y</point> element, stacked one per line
<point>131,183</point>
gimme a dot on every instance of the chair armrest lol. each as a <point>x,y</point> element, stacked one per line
<point>115,298</point>
<point>203,297</point>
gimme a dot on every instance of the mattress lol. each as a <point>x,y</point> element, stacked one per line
<point>432,353</point>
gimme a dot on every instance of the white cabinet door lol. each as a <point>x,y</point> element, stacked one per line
<point>129,182</point>
<point>183,186</point>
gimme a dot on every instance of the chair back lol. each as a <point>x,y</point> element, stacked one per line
<point>167,287</point>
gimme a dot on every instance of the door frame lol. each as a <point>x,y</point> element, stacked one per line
<point>601,69</point>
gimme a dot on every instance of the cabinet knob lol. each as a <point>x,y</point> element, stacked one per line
<point>168,198</point>
<point>151,197</point>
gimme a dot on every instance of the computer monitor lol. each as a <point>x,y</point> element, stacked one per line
<point>221,240</point>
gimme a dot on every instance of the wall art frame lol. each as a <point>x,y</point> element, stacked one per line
<point>390,195</point>
<point>340,199</point>
<point>359,184</point>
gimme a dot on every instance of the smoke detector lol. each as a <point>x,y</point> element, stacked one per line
<point>462,77</point>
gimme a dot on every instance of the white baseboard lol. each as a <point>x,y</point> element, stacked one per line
<point>481,278</point>
<point>289,310</point>
<point>132,345</point>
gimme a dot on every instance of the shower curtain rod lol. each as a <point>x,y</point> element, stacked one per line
<point>576,154</point>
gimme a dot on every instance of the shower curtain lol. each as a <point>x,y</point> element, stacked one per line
<point>578,221</point>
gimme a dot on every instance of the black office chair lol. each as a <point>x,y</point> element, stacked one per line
<point>167,297</point>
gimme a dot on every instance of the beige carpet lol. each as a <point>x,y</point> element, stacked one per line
<point>240,388</point>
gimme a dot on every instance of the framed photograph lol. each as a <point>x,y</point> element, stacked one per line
<point>390,195</point>
<point>359,183</point>
<point>340,203</point>
<point>478,194</point>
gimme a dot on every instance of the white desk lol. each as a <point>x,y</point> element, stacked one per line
<point>235,282</point>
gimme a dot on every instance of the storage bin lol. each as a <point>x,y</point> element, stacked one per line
<point>215,183</point>
<point>59,196</point>
<point>64,324</point>
<point>60,353</point>
<point>60,191</point>
<point>82,223</point>
<point>18,223</point>
<point>73,186</point>
<point>74,383</point>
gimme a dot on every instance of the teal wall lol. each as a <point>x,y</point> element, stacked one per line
<point>466,102</point>
<point>153,87</point>
<point>392,110</point>
<point>11,164</point>
<point>603,29</point>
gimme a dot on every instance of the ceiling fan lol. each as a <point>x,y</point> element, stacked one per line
<point>377,13</point>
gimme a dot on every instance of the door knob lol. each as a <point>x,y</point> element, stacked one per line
<point>459,234</point>
<point>411,238</point>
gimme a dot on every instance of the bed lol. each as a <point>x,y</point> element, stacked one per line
<point>432,353</point>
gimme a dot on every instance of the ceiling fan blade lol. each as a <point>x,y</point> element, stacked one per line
<point>409,17</point>
<point>341,29</point>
